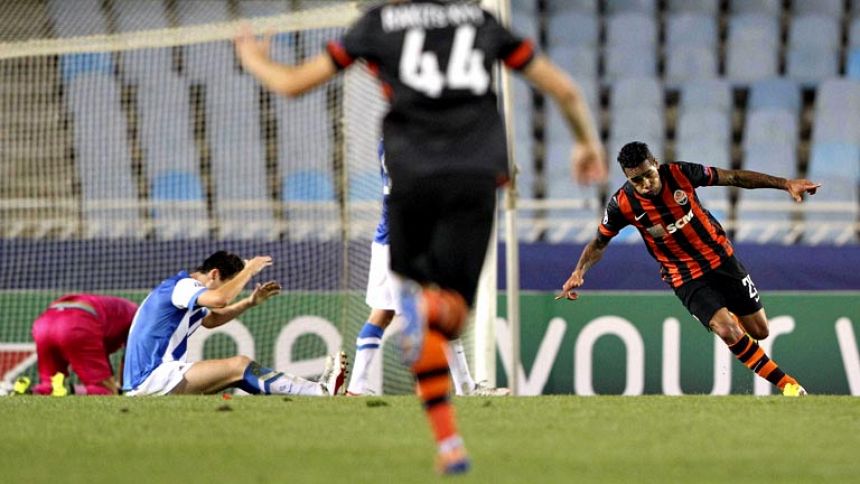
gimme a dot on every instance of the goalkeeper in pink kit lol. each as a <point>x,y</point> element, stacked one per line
<point>81,331</point>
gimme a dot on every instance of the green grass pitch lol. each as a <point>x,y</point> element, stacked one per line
<point>539,439</point>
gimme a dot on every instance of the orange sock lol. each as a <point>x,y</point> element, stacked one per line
<point>434,385</point>
<point>753,357</point>
<point>447,311</point>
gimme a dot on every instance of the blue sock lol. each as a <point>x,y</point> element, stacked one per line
<point>257,379</point>
<point>366,346</point>
<point>369,331</point>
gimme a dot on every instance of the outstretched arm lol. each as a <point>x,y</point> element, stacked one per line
<point>753,179</point>
<point>253,53</point>
<point>591,254</point>
<point>219,316</point>
<point>589,157</point>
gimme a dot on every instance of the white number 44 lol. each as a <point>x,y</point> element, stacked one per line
<point>420,70</point>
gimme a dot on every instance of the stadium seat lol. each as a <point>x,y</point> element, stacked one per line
<point>624,62</point>
<point>710,7</point>
<point>146,66</point>
<point>852,64</point>
<point>838,94</point>
<point>640,6</point>
<point>703,124</point>
<point>365,186</point>
<point>558,6</point>
<point>809,66</point>
<point>834,160</point>
<point>774,158</point>
<point>631,29</point>
<point>524,6</point>
<point>198,13</point>
<point>776,93</point>
<point>165,127</point>
<point>691,28</point>
<point>633,124</point>
<point>706,93</point>
<point>579,60</point>
<point>525,24</point>
<point>241,202</point>
<point>76,18</point>
<point>836,127</point>
<point>573,28</point>
<point>132,15</point>
<point>304,132</point>
<point>768,7</point>
<point>766,126</point>
<point>748,62</point>
<point>704,152</point>
<point>754,28</point>
<point>310,204</point>
<point>637,92</point>
<point>854,33</point>
<point>72,65</point>
<point>178,206</point>
<point>831,215</point>
<point>261,8</point>
<point>686,63</point>
<point>832,8</point>
<point>815,30</point>
<point>103,157</point>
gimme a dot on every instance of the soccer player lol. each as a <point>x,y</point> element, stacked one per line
<point>381,298</point>
<point>696,258</point>
<point>81,331</point>
<point>446,154</point>
<point>155,358</point>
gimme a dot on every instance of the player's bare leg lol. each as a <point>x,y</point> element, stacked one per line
<point>755,324</point>
<point>747,350</point>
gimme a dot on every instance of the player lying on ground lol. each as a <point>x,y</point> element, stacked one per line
<point>697,260</point>
<point>155,358</point>
<point>381,298</point>
<point>81,331</point>
<point>447,156</point>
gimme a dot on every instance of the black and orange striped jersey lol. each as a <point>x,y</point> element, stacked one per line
<point>435,60</point>
<point>678,231</point>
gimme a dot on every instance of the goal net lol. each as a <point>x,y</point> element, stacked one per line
<point>133,146</point>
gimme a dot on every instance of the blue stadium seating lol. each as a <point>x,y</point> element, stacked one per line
<point>579,60</point>
<point>686,63</point>
<point>691,28</point>
<point>637,92</point>
<point>178,186</point>
<point>631,30</point>
<point>811,65</point>
<point>776,93</point>
<point>852,64</point>
<point>704,152</point>
<point>262,8</point>
<point>710,7</point>
<point>573,28</point>
<point>767,126</point>
<point>835,160</point>
<point>832,8</point>
<point>132,15</point>
<point>178,206</point>
<point>706,93</point>
<point>769,7</point>
<point>703,124</point>
<point>815,30</point>
<point>774,158</point>
<point>627,61</point>
<point>754,28</point>
<point>640,6</point>
<point>831,215</point>
<point>854,33</point>
<point>558,6</point>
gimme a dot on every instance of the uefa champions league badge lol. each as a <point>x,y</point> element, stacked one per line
<point>680,197</point>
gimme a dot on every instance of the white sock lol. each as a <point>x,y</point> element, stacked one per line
<point>287,384</point>
<point>463,382</point>
<point>366,348</point>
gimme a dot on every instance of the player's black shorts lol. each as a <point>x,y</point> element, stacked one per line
<point>729,286</point>
<point>439,229</point>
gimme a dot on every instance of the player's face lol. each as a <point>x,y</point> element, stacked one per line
<point>645,178</point>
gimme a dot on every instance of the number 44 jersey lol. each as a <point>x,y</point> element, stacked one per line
<point>435,61</point>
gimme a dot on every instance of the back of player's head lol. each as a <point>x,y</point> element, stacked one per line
<point>228,264</point>
<point>633,154</point>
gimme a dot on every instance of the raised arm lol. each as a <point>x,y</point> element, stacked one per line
<point>589,157</point>
<point>753,179</point>
<point>253,53</point>
<point>221,297</point>
<point>591,254</point>
<point>219,316</point>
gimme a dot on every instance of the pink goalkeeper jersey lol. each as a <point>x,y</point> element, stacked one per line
<point>113,313</point>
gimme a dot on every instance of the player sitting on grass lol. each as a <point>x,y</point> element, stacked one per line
<point>697,260</point>
<point>383,302</point>
<point>155,359</point>
<point>81,330</point>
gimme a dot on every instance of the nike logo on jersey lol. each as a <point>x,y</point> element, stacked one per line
<point>639,216</point>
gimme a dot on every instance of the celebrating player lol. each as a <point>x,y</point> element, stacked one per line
<point>696,258</point>
<point>381,298</point>
<point>155,359</point>
<point>446,154</point>
<point>81,331</point>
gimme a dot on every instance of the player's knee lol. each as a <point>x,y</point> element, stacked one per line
<point>238,364</point>
<point>726,328</point>
<point>758,332</point>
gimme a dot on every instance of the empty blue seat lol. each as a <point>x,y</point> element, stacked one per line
<point>836,160</point>
<point>578,60</point>
<point>198,13</point>
<point>852,64</point>
<point>637,124</point>
<point>557,6</point>
<point>637,92</point>
<point>632,29</point>
<point>833,8</point>
<point>836,127</point>
<point>365,186</point>
<point>627,61</point>
<point>262,8</point>
<point>178,206</point>
<point>525,24</point>
<point>76,18</point>
<point>685,63</point>
<point>702,124</point>
<point>811,65</point>
<point>524,6</point>
<point>574,28</point>
<point>748,62</point>
<point>838,95</point>
<point>769,7</point>
<point>704,152</point>
<point>776,93</point>
<point>815,30</point>
<point>308,186</point>
<point>753,28</point>
<point>640,6</point>
<point>174,185</point>
<point>146,66</point>
<point>134,15</point>
<point>691,28</point>
<point>766,126</point>
<point>706,93</point>
<point>778,159</point>
<point>854,33</point>
<point>710,7</point>
<point>165,126</point>
<point>71,65</point>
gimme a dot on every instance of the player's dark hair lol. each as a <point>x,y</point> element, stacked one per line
<point>228,264</point>
<point>633,154</point>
